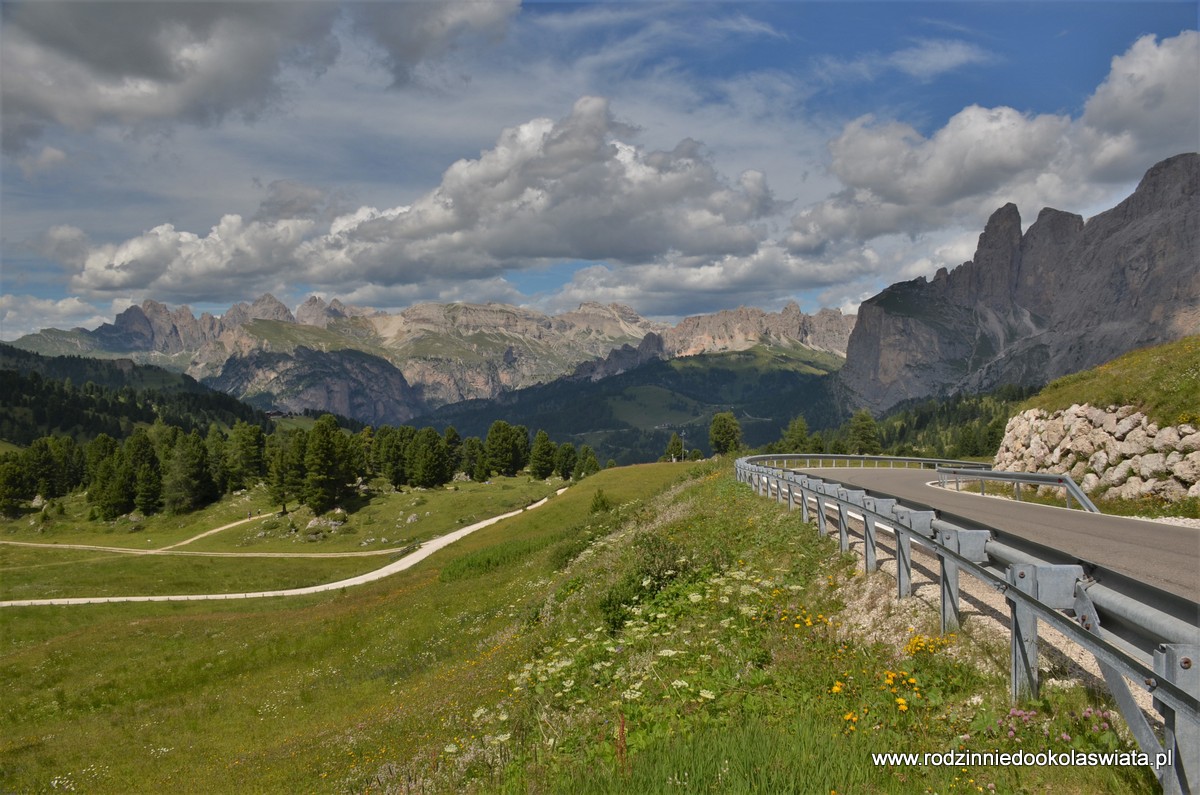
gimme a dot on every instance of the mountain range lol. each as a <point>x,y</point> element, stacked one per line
<point>1064,295</point>
<point>388,368</point>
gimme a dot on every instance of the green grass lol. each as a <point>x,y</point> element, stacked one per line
<point>385,519</point>
<point>27,573</point>
<point>284,336</point>
<point>1162,381</point>
<point>690,639</point>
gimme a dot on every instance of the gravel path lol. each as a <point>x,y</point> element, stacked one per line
<point>426,549</point>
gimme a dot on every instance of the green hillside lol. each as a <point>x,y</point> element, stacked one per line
<point>1163,381</point>
<point>83,397</point>
<point>630,417</point>
<point>609,641</point>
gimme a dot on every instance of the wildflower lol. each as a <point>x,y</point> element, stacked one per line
<point>707,694</point>
<point>837,687</point>
<point>901,705</point>
<point>667,653</point>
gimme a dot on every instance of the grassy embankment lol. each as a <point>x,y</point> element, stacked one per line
<point>688,641</point>
<point>1162,381</point>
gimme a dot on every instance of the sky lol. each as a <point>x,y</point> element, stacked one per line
<point>676,157</point>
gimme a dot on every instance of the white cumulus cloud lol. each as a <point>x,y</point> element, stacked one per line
<point>26,314</point>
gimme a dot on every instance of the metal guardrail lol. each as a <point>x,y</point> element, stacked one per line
<point>892,462</point>
<point>1134,631</point>
<point>1065,482</point>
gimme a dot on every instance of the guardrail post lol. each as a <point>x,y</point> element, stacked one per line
<point>822,530</point>
<point>843,531</point>
<point>1179,663</point>
<point>870,547</point>
<point>804,506</point>
<point>951,620</point>
<point>903,563</point>
<point>869,551</point>
<point>791,496</point>
<point>1023,677</point>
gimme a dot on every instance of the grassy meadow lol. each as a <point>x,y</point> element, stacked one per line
<point>1163,381</point>
<point>654,629</point>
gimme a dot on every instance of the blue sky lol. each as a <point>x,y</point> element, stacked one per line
<point>676,157</point>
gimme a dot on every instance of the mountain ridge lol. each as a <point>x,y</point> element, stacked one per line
<point>1066,295</point>
<point>423,357</point>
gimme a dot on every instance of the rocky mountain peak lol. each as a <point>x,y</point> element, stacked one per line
<point>1064,296</point>
<point>315,312</point>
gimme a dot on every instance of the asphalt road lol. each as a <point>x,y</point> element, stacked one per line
<point>1158,554</point>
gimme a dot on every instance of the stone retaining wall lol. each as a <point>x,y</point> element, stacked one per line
<point>1114,452</point>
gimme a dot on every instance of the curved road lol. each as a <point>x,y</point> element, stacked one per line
<point>1158,554</point>
<point>426,549</point>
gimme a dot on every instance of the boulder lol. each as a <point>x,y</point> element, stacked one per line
<point>1117,475</point>
<point>1187,470</point>
<point>1090,482</point>
<point>1169,489</point>
<point>1135,442</point>
<point>1188,443</point>
<point>1152,464</point>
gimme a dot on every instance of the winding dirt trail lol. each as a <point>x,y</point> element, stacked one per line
<point>425,550</point>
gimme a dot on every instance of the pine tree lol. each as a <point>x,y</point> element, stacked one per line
<point>564,460</point>
<point>587,463</point>
<point>427,459</point>
<point>724,433</point>
<point>454,445</point>
<point>285,471</point>
<point>472,458</point>
<point>323,479</point>
<point>864,434</point>
<point>503,448</point>
<point>795,438</point>
<point>245,455</point>
<point>147,490</point>
<point>541,457</point>
<point>674,448</point>
<point>187,479</point>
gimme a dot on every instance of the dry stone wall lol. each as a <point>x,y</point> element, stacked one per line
<point>1115,452</point>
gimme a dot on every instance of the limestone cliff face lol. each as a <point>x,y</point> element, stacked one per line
<point>1064,296</point>
<point>350,383</point>
<point>745,327</point>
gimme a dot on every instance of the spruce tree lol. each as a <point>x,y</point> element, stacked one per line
<point>724,433</point>
<point>864,434</point>
<point>427,459</point>
<point>541,456</point>
<point>674,448</point>
<point>187,479</point>
<point>323,479</point>
<point>564,460</point>
<point>587,464</point>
